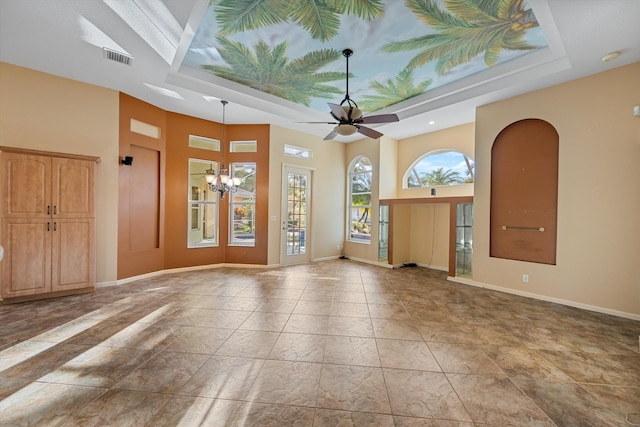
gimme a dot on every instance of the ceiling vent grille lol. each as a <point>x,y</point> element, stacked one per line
<point>120,57</point>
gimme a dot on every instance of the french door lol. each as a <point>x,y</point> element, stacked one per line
<point>296,209</point>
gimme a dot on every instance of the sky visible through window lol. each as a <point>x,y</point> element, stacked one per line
<point>446,167</point>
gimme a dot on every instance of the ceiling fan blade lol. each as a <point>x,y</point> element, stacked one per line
<point>331,135</point>
<point>338,112</point>
<point>369,132</point>
<point>380,118</point>
<point>319,123</point>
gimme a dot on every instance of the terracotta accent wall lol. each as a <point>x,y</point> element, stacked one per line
<point>177,254</point>
<point>179,127</point>
<point>258,253</point>
<point>524,192</point>
<point>141,191</point>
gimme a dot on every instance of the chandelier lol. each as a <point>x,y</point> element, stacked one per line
<point>222,182</point>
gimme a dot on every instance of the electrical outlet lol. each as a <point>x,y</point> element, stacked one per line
<point>525,278</point>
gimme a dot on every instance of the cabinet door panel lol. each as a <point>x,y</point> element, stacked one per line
<point>72,188</point>
<point>73,255</point>
<point>26,267</point>
<point>27,189</point>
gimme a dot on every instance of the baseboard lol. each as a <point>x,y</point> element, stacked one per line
<point>546,298</point>
<point>433,267</point>
<point>192,268</point>
<point>367,261</point>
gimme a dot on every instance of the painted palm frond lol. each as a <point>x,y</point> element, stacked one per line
<point>234,16</point>
<point>320,18</point>
<point>466,30</point>
<point>365,9</point>
<point>394,91</point>
<point>322,21</point>
<point>269,70</point>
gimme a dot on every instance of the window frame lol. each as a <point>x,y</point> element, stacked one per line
<point>201,205</point>
<point>411,169</point>
<point>364,238</point>
<point>232,240</point>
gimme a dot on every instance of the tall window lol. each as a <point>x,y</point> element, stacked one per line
<point>243,205</point>
<point>360,178</point>
<point>202,227</point>
<point>440,167</point>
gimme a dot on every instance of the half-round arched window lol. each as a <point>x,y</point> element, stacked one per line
<point>440,167</point>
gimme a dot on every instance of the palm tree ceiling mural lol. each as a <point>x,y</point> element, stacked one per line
<point>402,49</point>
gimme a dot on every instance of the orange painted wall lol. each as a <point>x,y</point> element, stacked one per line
<point>133,260</point>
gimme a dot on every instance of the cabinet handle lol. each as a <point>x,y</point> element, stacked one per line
<point>55,226</point>
<point>48,210</point>
<point>55,210</point>
<point>48,229</point>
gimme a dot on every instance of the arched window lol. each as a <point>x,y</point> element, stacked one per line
<point>360,179</point>
<point>440,167</point>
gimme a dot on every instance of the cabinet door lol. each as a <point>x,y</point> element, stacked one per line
<point>73,254</point>
<point>72,188</point>
<point>26,267</point>
<point>26,183</point>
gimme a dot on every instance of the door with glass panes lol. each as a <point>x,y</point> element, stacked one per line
<point>296,209</point>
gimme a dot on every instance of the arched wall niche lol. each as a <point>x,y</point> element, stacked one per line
<point>524,192</point>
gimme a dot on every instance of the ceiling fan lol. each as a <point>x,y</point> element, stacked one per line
<point>349,117</point>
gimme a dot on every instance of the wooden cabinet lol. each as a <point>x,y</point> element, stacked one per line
<point>48,220</point>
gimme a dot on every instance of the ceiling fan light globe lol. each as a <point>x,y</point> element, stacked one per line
<point>345,129</point>
<point>355,112</point>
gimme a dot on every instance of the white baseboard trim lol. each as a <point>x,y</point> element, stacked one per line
<point>597,309</point>
<point>192,268</point>
<point>327,258</point>
<point>434,267</point>
<point>367,261</point>
<point>106,284</point>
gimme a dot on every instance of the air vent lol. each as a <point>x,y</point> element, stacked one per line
<point>120,57</point>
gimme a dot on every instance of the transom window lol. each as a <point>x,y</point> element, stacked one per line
<point>440,167</point>
<point>360,179</point>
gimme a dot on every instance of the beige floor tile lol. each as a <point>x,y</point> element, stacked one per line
<point>286,383</point>
<point>263,321</point>
<point>182,411</point>
<point>496,401</point>
<point>299,347</point>
<point>353,388</point>
<point>404,354</point>
<point>307,324</point>
<point>223,378</point>
<point>351,351</point>
<point>464,359</point>
<point>423,394</point>
<point>248,344</point>
<point>331,418</point>
<point>166,372</point>
<point>267,415</point>
<point>350,326</point>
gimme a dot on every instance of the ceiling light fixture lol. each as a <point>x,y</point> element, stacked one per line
<point>222,182</point>
<point>610,56</point>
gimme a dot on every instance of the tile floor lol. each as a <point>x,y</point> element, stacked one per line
<point>325,344</point>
